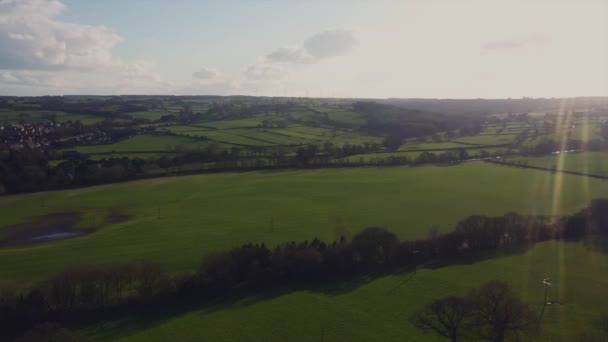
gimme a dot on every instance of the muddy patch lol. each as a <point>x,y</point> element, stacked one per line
<point>58,226</point>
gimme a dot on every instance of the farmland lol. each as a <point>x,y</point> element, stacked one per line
<point>198,212</point>
<point>283,170</point>
<point>595,163</point>
<point>380,309</point>
<point>44,115</point>
<point>140,143</point>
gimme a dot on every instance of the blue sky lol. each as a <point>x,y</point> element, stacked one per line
<point>401,48</point>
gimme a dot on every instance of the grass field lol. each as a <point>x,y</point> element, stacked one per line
<point>413,145</point>
<point>224,124</point>
<point>315,131</point>
<point>44,115</point>
<point>587,162</point>
<point>150,114</point>
<point>140,143</point>
<point>346,118</point>
<point>145,155</point>
<point>210,212</point>
<point>412,155</point>
<point>494,139</point>
<point>379,310</point>
<point>234,137</point>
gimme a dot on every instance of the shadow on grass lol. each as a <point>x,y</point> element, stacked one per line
<point>128,320</point>
<point>123,322</point>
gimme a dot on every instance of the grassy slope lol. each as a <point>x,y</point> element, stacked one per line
<point>204,213</point>
<point>379,310</point>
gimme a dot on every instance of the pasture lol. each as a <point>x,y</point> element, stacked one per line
<point>379,309</point>
<point>46,115</point>
<point>587,162</point>
<point>203,213</point>
<point>141,143</point>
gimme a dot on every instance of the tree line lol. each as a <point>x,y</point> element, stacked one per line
<point>27,170</point>
<point>89,293</point>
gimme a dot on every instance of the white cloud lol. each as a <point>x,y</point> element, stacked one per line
<point>290,55</point>
<point>326,44</point>
<point>27,78</point>
<point>31,37</point>
<point>19,36</point>
<point>330,43</point>
<point>319,47</point>
<point>205,74</point>
<point>40,54</point>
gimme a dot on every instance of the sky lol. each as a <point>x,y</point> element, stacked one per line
<point>372,49</point>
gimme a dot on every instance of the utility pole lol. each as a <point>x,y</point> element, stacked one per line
<point>322,334</point>
<point>547,284</point>
<point>159,213</point>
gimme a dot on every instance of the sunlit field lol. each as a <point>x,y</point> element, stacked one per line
<point>199,214</point>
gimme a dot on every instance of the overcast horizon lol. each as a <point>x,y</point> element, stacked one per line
<point>347,49</point>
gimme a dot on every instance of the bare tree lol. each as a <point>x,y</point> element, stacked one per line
<point>448,317</point>
<point>499,314</point>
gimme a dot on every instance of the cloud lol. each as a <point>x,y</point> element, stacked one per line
<point>323,45</point>
<point>290,55</point>
<point>40,54</point>
<point>27,78</point>
<point>205,74</point>
<point>326,44</point>
<point>31,38</point>
<point>264,72</point>
<point>331,43</point>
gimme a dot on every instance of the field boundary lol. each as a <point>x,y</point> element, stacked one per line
<point>576,173</point>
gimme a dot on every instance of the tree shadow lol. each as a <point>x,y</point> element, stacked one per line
<point>142,317</point>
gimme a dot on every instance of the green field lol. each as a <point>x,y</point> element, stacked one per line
<point>145,155</point>
<point>412,155</point>
<point>587,162</point>
<point>211,212</point>
<point>319,132</point>
<point>185,129</point>
<point>442,145</point>
<point>150,114</point>
<point>236,137</point>
<point>141,143</point>
<point>254,121</point>
<point>379,310</point>
<point>45,115</point>
<point>350,119</point>
<point>492,139</point>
